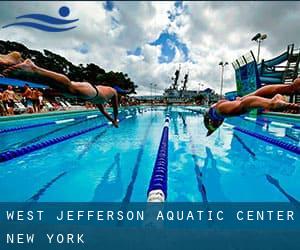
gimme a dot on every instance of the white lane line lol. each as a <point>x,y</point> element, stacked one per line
<point>91,116</point>
<point>279,124</point>
<point>64,121</point>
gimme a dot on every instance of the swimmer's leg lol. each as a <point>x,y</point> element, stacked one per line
<point>64,82</point>
<point>247,103</point>
<point>282,89</point>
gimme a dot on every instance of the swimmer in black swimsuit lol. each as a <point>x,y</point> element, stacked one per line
<point>268,97</point>
<point>97,94</point>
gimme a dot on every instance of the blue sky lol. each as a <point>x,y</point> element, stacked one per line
<point>168,41</point>
<point>83,48</point>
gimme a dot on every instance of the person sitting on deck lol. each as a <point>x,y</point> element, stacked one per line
<point>96,94</point>
<point>268,97</point>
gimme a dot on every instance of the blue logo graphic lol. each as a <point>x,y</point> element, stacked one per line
<point>57,22</point>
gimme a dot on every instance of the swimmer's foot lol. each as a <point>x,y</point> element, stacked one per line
<point>115,123</point>
<point>296,85</point>
<point>279,104</point>
<point>10,59</point>
<point>27,66</point>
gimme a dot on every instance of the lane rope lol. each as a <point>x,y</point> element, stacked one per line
<point>158,186</point>
<point>285,145</point>
<point>58,122</point>
<point>11,154</point>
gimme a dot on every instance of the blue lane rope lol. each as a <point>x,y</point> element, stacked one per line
<point>58,122</point>
<point>42,136</point>
<point>11,154</point>
<point>287,146</point>
<point>157,191</point>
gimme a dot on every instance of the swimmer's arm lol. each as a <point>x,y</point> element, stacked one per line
<point>104,112</point>
<point>115,105</point>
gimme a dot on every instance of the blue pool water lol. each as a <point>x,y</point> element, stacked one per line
<point>110,164</point>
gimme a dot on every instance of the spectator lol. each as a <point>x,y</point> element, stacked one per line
<point>9,98</point>
<point>27,95</point>
<point>3,110</point>
<point>88,105</point>
<point>41,100</point>
<point>35,100</point>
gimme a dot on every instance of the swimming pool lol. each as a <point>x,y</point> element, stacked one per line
<point>109,164</point>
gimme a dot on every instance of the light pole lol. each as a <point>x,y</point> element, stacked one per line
<point>259,38</point>
<point>155,85</point>
<point>222,64</point>
<point>151,89</point>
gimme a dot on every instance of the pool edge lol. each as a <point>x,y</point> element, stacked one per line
<point>46,114</point>
<point>281,115</point>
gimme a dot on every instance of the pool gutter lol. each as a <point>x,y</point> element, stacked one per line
<point>281,115</point>
<point>46,114</point>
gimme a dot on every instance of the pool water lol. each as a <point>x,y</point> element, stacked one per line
<point>110,164</point>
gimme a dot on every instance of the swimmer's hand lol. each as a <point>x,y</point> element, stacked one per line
<point>115,123</point>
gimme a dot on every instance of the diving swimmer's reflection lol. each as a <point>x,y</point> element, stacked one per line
<point>211,178</point>
<point>183,122</point>
<point>107,189</point>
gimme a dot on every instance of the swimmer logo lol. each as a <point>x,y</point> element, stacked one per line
<point>58,22</point>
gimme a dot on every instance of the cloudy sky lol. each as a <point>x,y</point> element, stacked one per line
<point>148,40</point>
